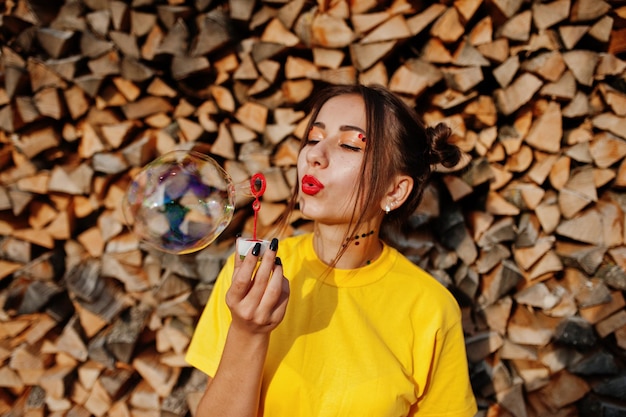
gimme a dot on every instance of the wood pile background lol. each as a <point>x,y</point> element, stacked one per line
<point>529,233</point>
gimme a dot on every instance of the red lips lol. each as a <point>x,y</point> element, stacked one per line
<point>311,185</point>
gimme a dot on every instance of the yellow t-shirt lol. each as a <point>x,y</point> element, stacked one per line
<point>382,340</point>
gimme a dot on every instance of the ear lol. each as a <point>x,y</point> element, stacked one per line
<point>397,194</point>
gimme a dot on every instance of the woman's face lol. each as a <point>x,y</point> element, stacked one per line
<point>329,165</point>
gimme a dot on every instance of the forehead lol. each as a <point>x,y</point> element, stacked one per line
<point>347,109</point>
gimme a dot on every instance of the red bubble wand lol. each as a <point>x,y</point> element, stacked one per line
<point>257,187</point>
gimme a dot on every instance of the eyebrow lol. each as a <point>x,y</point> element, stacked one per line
<point>342,128</point>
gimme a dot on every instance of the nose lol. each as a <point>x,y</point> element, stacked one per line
<point>317,155</point>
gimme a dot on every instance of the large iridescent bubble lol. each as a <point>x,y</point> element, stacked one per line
<point>180,202</point>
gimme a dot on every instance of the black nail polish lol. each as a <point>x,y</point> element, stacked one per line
<point>274,245</point>
<point>256,249</point>
<point>277,261</point>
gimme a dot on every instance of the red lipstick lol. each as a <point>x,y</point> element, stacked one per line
<point>311,185</point>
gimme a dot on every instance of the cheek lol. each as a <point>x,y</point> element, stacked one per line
<point>350,176</point>
<point>301,161</point>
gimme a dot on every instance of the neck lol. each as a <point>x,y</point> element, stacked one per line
<point>361,248</point>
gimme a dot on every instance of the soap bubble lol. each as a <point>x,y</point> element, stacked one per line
<point>180,202</point>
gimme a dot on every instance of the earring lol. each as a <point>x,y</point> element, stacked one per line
<point>387,209</point>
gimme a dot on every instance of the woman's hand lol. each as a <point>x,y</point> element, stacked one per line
<point>257,297</point>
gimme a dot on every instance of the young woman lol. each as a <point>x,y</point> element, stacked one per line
<point>346,325</point>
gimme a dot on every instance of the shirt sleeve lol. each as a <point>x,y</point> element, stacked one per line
<point>448,391</point>
<point>207,343</point>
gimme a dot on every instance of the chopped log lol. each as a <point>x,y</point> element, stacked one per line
<point>614,98</point>
<point>253,116</point>
<point>300,68</point>
<point>98,402</point>
<point>395,28</point>
<point>448,26</point>
<point>215,32</point>
<point>482,33</point>
<point>327,58</point>
<point>41,76</point>
<point>545,268</point>
<point>564,389</point>
<point>602,29</point>
<point>582,64</point>
<point>584,10</point>
<point>549,65</point>
<point>507,8</point>
<point>365,22</point>
<point>480,346</point>
<point>506,71</point>
<point>572,34</point>
<point>531,328</point>
<point>562,89</point>
<point>497,50</point>
<point>161,378</point>
<point>122,338</point>
<point>34,142</point>
<point>499,282</point>
<point>467,55</point>
<point>366,55</point>
<point>586,228</point>
<point>404,80</point>
<point>537,295</point>
<point>144,397</point>
<point>276,32</point>
<point>420,21</point>
<point>57,381</point>
<point>517,28</point>
<point>145,107</point>
<point>597,313</point>
<point>517,94</point>
<point>527,256</point>
<point>546,15</point>
<point>611,324</point>
<point>330,32</point>
<point>577,193</point>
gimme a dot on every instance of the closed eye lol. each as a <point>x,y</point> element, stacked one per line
<point>351,148</point>
<point>315,135</point>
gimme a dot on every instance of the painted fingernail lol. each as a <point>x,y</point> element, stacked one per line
<point>256,249</point>
<point>277,261</point>
<point>274,245</point>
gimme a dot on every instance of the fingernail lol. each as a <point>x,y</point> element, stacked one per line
<point>277,261</point>
<point>274,245</point>
<point>256,249</point>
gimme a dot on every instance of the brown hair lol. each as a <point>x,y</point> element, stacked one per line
<point>398,142</point>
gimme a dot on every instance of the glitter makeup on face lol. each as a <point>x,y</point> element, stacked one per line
<point>347,137</point>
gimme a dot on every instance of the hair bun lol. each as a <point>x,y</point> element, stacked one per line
<point>441,150</point>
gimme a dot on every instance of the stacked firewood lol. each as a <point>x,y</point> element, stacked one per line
<point>528,232</point>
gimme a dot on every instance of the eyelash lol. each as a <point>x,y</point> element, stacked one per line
<point>351,148</point>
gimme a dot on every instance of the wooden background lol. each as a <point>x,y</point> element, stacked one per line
<point>528,232</point>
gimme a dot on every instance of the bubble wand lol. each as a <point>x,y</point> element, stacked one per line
<point>257,187</point>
